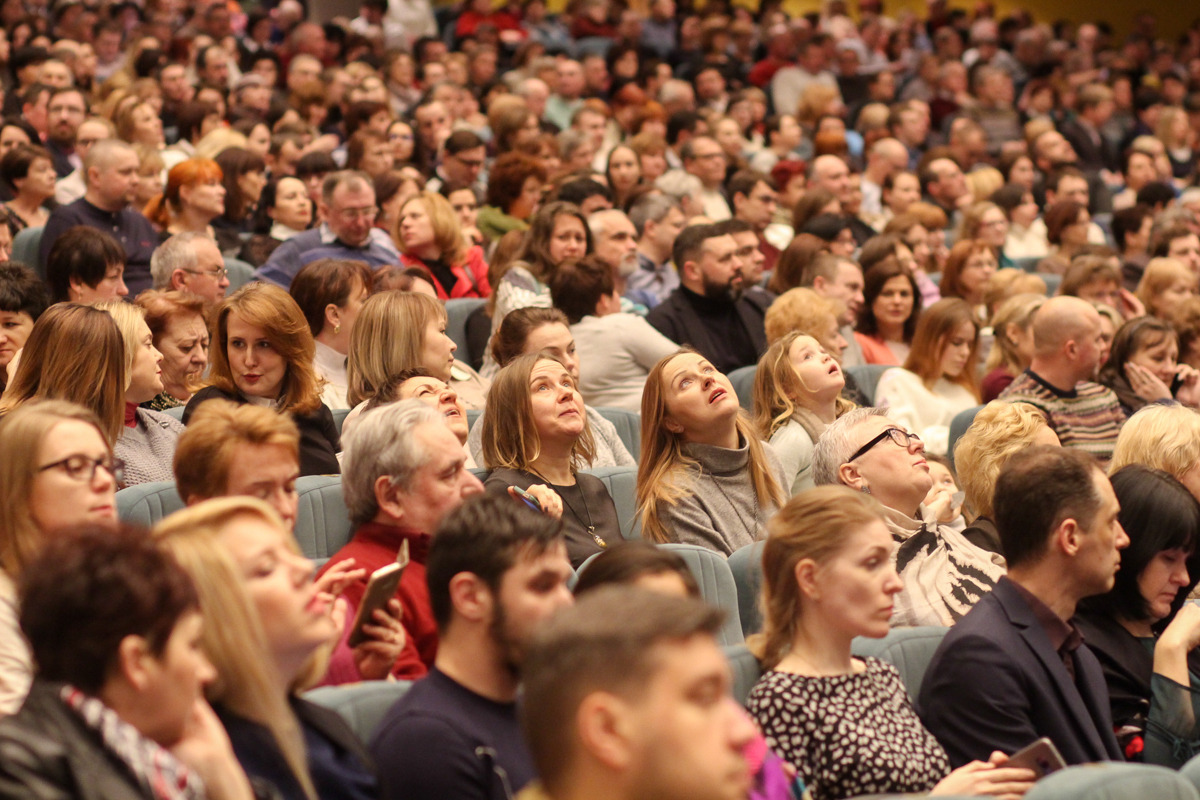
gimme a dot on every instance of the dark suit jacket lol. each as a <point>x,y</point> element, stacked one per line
<point>686,318</point>
<point>1092,157</point>
<point>995,683</point>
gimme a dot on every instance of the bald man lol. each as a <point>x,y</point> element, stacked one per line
<point>885,158</point>
<point>1069,346</point>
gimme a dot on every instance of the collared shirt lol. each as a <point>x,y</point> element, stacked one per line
<point>650,283</point>
<point>1064,637</point>
<point>290,257</point>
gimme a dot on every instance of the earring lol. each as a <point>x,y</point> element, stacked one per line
<point>337,329</point>
<point>865,489</point>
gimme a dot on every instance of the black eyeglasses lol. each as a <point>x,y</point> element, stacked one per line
<point>901,438</point>
<point>83,469</point>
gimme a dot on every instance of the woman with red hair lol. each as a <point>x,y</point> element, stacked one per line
<point>195,196</point>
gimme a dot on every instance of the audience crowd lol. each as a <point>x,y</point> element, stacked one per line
<point>566,308</point>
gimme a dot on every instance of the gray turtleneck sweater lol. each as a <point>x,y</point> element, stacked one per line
<point>720,510</point>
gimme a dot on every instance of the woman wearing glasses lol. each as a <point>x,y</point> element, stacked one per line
<point>943,573</point>
<point>57,472</point>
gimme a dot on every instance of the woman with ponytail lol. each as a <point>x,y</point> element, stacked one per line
<point>829,576</point>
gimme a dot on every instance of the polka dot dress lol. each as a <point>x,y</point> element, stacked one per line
<point>848,735</point>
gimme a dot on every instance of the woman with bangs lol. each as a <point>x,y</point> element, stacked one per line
<point>535,431</point>
<point>704,476</point>
<point>263,353</point>
<point>194,197</point>
<point>268,630</point>
<point>939,378</point>
<point>244,176</point>
<point>1166,284</point>
<point>1143,367</point>
<point>429,235</point>
<point>29,171</point>
<point>797,394</point>
<point>891,304</point>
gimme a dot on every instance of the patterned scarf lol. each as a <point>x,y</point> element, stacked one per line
<point>159,773</point>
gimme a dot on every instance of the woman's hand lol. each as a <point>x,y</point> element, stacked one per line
<point>205,749</point>
<point>987,778</point>
<point>547,498</point>
<point>1131,307</point>
<point>338,577</point>
<point>940,503</point>
<point>1184,630</point>
<point>1188,392</point>
<point>386,639</point>
<point>1146,384</point>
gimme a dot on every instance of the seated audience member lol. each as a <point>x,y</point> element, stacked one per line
<point>58,473</point>
<point>118,703</point>
<point>1014,669</point>
<point>559,231</point>
<point>658,219</point>
<point>796,396</point>
<point>147,443</point>
<point>1146,664</point>
<point>330,294</point>
<point>397,331</point>
<point>85,266</point>
<point>111,173</point>
<point>1142,367</point>
<point>940,375</point>
<point>176,321</point>
<point>804,311</point>
<point>73,353</point>
<point>1059,381</point>
<point>639,564</point>
<point>284,212</point>
<point>1165,285</point>
<point>28,170</point>
<point>496,572</point>
<point>231,450</point>
<point>998,431</point>
<point>1186,321</point>
<point>514,191</point>
<point>190,262</point>
<point>534,330</point>
<point>347,213</point>
<point>1012,343</point>
<point>262,354</point>
<point>704,476</point>
<point>266,627</point>
<point>430,236</point>
<point>1097,279</point>
<point>535,430</point>
<point>193,197</point>
<point>969,267</point>
<point>840,280</point>
<point>1163,436</point>
<point>618,347</point>
<point>711,310</point>
<point>418,384</point>
<point>611,681</point>
<point>1010,282</point>
<point>243,175</point>
<point>888,319</point>
<point>402,473</point>
<point>942,572</point>
<point>817,541</point>
<point>23,298</point>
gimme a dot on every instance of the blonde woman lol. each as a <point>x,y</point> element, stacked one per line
<point>704,476</point>
<point>796,395</point>
<point>267,629</point>
<point>1012,343</point>
<point>829,577</point>
<point>1165,437</point>
<point>1165,284</point>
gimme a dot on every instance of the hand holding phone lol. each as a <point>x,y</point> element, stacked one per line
<point>380,588</point>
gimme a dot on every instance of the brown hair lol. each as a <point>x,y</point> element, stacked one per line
<point>778,389</point>
<point>215,435</point>
<point>509,339</point>
<point>956,262</point>
<point>447,230</point>
<point>388,337</point>
<point>327,281</point>
<point>934,328</point>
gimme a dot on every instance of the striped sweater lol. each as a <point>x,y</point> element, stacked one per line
<point>1087,418</point>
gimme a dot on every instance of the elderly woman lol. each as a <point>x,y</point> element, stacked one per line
<point>330,293</point>
<point>866,451</point>
<point>998,432</point>
<point>118,704</point>
<point>1163,436</point>
<point>176,321</point>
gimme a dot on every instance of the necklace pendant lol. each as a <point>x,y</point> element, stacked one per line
<point>592,531</point>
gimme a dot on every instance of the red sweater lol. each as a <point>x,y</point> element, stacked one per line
<point>373,546</point>
<point>471,275</point>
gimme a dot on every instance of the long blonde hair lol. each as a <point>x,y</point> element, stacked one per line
<point>812,525</point>
<point>777,388</point>
<point>387,339</point>
<point>127,316</point>
<point>662,462</point>
<point>233,637</point>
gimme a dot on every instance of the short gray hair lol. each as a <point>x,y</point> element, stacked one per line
<point>346,177</point>
<point>678,184</point>
<point>175,253</point>
<point>383,443</point>
<point>835,446</point>
<point>651,207</point>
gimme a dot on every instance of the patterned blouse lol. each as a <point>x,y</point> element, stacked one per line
<point>848,735</point>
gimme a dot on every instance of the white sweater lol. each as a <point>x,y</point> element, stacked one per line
<point>924,412</point>
<point>616,353</point>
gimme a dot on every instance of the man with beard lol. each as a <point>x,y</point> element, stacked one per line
<point>496,571</point>
<point>65,112</point>
<point>709,309</point>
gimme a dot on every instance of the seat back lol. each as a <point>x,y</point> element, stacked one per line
<point>1113,781</point>
<point>339,417</point>
<point>176,412</point>
<point>628,425</point>
<point>457,312</point>
<point>867,378</point>
<point>746,565</point>
<point>25,247</point>
<point>473,415</point>
<point>909,650</point>
<point>716,587</point>
<point>958,426</point>
<point>322,522</point>
<point>361,705</point>
<point>621,483</point>
<point>746,670</point>
<point>147,503</point>
<point>742,379</point>
<point>240,273</point>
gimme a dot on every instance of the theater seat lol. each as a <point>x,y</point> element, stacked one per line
<point>958,426</point>
<point>176,412</point>
<point>909,650</point>
<point>621,483</point>
<point>742,379</point>
<point>457,312</point>
<point>867,378</point>
<point>240,273</point>
<point>1113,781</point>
<point>716,587</point>
<point>362,705</point>
<point>322,522</point>
<point>746,566</point>
<point>339,417</point>
<point>25,246</point>
<point>147,503</point>
<point>628,425</point>
<point>746,671</point>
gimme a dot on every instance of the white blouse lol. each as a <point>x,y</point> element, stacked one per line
<point>927,413</point>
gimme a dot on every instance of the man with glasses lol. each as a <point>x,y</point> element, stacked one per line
<point>348,231</point>
<point>463,158</point>
<point>704,158</point>
<point>190,262</point>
